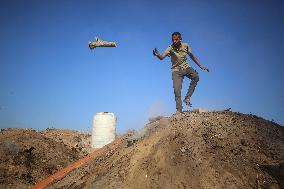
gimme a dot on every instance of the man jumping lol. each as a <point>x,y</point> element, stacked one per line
<point>180,68</point>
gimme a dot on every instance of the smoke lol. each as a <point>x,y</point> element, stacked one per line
<point>154,125</point>
<point>156,109</point>
<point>155,120</point>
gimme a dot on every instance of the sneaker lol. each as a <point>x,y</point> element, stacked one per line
<point>187,101</point>
<point>179,112</point>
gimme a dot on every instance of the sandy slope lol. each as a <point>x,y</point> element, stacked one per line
<point>194,150</point>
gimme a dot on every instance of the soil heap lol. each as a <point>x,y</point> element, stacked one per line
<point>193,150</point>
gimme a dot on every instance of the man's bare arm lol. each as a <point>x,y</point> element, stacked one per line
<point>161,57</point>
<point>157,54</point>
<point>197,62</point>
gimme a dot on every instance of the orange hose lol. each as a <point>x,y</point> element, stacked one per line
<point>63,172</point>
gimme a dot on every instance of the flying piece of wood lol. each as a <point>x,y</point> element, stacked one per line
<point>101,43</point>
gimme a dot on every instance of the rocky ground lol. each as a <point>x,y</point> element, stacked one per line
<point>193,150</point>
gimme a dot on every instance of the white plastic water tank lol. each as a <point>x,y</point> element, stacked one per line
<point>103,131</point>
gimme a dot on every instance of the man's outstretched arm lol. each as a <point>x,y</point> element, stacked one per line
<point>197,62</point>
<point>157,54</point>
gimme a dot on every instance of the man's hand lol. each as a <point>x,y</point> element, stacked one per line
<point>155,52</point>
<point>205,68</point>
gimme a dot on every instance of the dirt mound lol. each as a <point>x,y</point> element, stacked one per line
<point>28,156</point>
<point>192,150</point>
<point>74,140</point>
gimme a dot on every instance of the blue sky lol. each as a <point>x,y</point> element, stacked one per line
<point>49,77</point>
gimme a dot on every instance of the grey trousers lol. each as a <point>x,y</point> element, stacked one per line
<point>177,77</point>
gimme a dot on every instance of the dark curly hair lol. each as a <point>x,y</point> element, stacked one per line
<point>177,33</point>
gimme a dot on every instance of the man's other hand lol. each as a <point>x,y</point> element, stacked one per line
<point>205,68</point>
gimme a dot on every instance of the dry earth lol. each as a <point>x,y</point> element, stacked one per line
<point>193,150</point>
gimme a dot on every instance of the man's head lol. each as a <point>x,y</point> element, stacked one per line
<point>176,39</point>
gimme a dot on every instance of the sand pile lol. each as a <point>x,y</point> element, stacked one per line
<point>194,150</point>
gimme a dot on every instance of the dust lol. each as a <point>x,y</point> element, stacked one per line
<point>154,123</point>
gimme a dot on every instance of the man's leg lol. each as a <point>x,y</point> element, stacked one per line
<point>193,75</point>
<point>177,85</point>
